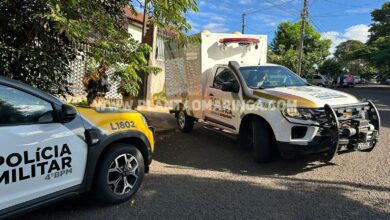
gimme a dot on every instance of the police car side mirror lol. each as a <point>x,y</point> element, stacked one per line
<point>68,113</point>
<point>229,87</point>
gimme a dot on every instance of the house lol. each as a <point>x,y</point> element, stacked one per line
<point>155,84</point>
<point>155,38</point>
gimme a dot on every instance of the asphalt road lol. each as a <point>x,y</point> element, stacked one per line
<point>206,175</point>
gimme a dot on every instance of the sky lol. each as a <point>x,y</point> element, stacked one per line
<point>338,20</point>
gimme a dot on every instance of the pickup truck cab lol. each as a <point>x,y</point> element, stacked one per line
<point>266,106</point>
<point>50,150</point>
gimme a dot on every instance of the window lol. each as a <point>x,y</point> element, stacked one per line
<point>262,77</point>
<point>17,107</point>
<point>160,49</point>
<point>224,75</point>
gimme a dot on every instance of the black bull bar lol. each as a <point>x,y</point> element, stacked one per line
<point>337,137</point>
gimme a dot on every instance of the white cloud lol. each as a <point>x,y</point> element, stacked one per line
<point>358,10</point>
<point>270,22</point>
<point>216,27</point>
<point>201,3</point>
<point>335,38</point>
<point>207,16</point>
<point>357,32</point>
<point>280,2</point>
<point>244,2</point>
<point>218,18</point>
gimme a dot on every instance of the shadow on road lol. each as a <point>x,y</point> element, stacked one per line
<point>185,196</point>
<point>204,149</point>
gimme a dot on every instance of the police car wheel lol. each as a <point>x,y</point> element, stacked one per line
<point>120,174</point>
<point>185,122</point>
<point>262,141</point>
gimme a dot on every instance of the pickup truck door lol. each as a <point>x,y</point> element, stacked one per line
<point>222,106</point>
<point>38,155</point>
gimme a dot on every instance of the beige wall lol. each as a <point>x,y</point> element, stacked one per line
<point>156,83</point>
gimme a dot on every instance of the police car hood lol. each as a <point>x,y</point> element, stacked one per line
<point>308,96</point>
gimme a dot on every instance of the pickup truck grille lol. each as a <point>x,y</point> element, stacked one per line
<point>347,113</point>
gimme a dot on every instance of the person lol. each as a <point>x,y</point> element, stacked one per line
<point>350,80</point>
<point>339,82</point>
<point>256,79</point>
<point>334,81</point>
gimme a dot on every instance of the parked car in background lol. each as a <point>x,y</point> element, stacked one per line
<point>319,80</point>
<point>385,80</point>
<point>373,80</point>
<point>357,80</point>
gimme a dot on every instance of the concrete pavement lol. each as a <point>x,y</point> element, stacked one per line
<point>203,175</point>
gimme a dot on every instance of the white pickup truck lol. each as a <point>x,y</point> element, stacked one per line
<point>226,83</point>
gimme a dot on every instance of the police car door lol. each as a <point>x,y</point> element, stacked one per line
<point>38,155</point>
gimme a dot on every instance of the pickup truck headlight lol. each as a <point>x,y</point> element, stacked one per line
<point>312,114</point>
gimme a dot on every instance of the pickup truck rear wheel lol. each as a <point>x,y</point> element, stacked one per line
<point>184,121</point>
<point>120,174</point>
<point>262,141</point>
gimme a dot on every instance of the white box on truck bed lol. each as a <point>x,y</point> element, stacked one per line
<point>188,67</point>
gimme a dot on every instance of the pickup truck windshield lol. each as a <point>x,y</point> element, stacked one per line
<point>262,77</point>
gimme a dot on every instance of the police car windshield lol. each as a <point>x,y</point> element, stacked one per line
<point>263,77</point>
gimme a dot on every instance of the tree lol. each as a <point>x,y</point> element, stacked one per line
<point>38,38</point>
<point>330,66</point>
<point>381,26</point>
<point>377,51</point>
<point>345,50</point>
<point>284,47</point>
<point>346,55</point>
<point>31,49</point>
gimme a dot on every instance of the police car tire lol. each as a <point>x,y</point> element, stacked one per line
<point>262,141</point>
<point>102,189</point>
<point>185,123</point>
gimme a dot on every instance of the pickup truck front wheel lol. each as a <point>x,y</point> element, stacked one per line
<point>120,174</point>
<point>184,121</point>
<point>261,141</point>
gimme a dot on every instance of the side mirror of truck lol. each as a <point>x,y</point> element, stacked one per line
<point>229,87</point>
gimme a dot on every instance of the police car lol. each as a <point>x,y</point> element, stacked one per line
<point>50,150</point>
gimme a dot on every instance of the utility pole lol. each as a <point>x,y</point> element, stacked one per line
<point>300,48</point>
<point>142,93</point>
<point>243,23</point>
<point>145,21</point>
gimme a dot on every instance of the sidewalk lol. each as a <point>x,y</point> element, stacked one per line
<point>372,86</point>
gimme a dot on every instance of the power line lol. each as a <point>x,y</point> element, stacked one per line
<point>337,15</point>
<point>281,8</point>
<point>244,14</point>
<point>350,7</point>
<point>272,6</point>
<point>354,6</point>
<point>316,25</point>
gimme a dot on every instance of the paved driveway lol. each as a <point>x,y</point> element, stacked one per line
<point>206,175</point>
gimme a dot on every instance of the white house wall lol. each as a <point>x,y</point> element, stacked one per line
<point>135,31</point>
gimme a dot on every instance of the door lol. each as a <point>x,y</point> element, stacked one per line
<point>224,106</point>
<point>38,155</point>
